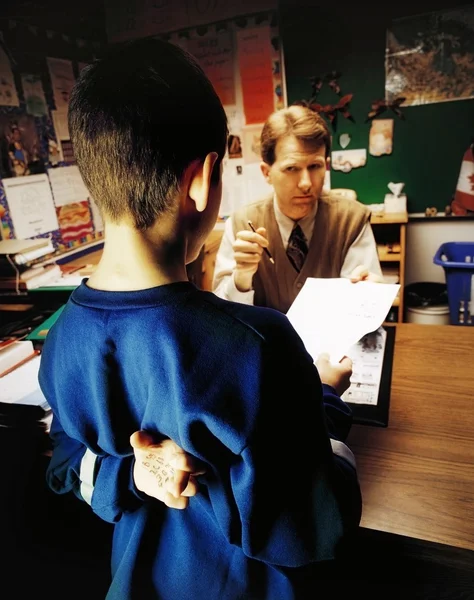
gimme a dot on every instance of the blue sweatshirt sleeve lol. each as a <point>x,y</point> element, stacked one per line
<point>103,481</point>
<point>294,484</point>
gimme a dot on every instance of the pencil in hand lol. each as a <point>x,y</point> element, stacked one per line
<point>266,250</point>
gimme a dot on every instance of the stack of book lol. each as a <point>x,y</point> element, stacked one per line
<point>22,264</point>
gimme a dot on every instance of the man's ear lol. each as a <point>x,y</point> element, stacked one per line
<point>266,171</point>
<point>328,162</point>
<point>200,182</point>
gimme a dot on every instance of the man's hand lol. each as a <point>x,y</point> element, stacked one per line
<point>164,471</point>
<point>362,273</point>
<point>248,248</point>
<point>338,376</point>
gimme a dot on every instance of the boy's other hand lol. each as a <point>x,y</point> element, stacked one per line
<point>248,248</point>
<point>164,471</point>
<point>337,376</point>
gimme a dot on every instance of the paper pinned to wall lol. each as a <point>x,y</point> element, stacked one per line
<point>331,315</point>
<point>251,143</point>
<point>255,60</point>
<point>61,126</point>
<point>34,95</point>
<point>62,81</point>
<point>8,93</point>
<point>67,185</point>
<point>215,54</point>
<point>381,137</point>
<point>31,205</point>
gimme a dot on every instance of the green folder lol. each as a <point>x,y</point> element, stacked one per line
<point>41,331</point>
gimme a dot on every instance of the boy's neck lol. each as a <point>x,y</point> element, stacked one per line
<point>135,260</point>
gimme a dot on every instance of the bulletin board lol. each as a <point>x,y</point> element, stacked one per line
<point>41,191</point>
<point>243,59</point>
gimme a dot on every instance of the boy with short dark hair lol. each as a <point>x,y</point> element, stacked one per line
<point>146,350</point>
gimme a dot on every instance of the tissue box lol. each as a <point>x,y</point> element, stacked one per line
<point>395,204</point>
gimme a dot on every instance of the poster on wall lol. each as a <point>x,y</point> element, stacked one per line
<point>381,137</point>
<point>215,54</point>
<point>19,146</point>
<point>251,143</point>
<point>256,77</point>
<point>34,95</point>
<point>62,81</point>
<point>8,93</point>
<point>31,205</point>
<point>430,58</point>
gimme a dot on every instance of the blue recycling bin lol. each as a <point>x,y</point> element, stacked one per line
<point>457,260</point>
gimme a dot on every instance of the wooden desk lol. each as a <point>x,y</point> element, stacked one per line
<point>417,475</point>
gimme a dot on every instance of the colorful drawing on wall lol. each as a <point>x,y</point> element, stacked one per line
<point>75,220</point>
<point>430,58</point>
<point>381,137</point>
<point>20,146</point>
<point>234,146</point>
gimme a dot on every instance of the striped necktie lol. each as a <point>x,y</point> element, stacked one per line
<point>297,248</point>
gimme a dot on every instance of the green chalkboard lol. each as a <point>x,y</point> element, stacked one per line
<point>428,145</point>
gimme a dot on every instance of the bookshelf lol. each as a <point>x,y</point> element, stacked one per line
<point>390,236</point>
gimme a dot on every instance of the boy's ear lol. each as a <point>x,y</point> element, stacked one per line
<point>265,171</point>
<point>200,182</point>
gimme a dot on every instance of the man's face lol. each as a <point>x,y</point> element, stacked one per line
<point>297,176</point>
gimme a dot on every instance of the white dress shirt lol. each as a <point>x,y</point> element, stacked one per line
<point>363,251</point>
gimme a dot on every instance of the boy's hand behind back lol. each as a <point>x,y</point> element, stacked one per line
<point>337,376</point>
<point>164,471</point>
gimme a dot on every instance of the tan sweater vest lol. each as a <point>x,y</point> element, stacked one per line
<point>338,223</point>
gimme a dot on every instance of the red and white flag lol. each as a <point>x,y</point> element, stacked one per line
<point>464,197</point>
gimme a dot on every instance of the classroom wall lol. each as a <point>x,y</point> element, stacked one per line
<point>428,144</point>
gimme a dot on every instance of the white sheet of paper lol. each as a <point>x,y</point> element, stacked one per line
<point>31,205</point>
<point>331,315</point>
<point>67,185</point>
<point>367,362</point>
<point>21,385</point>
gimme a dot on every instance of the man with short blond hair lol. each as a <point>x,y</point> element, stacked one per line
<point>309,232</point>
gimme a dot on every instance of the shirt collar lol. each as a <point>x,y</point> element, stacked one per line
<point>285,224</point>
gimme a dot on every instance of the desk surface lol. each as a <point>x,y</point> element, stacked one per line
<point>417,475</point>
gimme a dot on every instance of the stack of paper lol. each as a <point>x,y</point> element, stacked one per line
<point>331,315</point>
<point>21,386</point>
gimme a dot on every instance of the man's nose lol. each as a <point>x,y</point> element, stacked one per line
<point>305,181</point>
